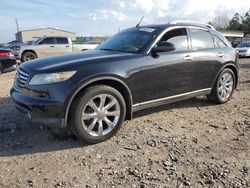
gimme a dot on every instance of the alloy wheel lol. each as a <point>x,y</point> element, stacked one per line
<point>225,86</point>
<point>101,114</point>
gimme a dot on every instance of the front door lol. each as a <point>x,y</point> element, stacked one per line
<point>168,75</point>
<point>47,47</point>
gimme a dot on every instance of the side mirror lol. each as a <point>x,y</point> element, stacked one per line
<point>163,47</point>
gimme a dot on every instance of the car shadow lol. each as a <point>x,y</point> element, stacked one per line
<point>20,137</point>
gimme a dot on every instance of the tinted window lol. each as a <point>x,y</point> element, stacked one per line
<point>62,40</point>
<point>219,42</point>
<point>178,37</point>
<point>201,39</point>
<point>131,41</point>
<point>49,40</point>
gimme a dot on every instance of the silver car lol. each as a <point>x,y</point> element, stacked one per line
<point>244,49</point>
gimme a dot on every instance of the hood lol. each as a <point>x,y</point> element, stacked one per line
<point>67,61</point>
<point>242,48</point>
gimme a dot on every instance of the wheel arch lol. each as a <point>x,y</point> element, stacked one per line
<point>114,82</point>
<point>231,66</point>
<point>28,50</point>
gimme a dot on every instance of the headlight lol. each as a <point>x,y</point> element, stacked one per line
<point>40,79</point>
<point>15,48</point>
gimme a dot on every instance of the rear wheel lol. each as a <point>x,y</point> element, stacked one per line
<point>98,113</point>
<point>223,88</point>
<point>27,56</point>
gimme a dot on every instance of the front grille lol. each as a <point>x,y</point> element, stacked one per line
<point>242,51</point>
<point>21,78</point>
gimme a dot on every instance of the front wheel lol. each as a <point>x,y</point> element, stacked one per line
<point>97,114</point>
<point>28,55</point>
<point>223,88</point>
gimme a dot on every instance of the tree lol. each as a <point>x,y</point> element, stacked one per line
<point>221,21</point>
<point>235,22</point>
<point>246,22</point>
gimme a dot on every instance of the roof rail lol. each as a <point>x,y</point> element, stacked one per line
<point>192,22</point>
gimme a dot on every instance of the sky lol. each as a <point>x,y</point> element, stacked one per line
<point>105,17</point>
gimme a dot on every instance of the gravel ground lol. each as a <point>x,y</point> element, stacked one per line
<point>192,143</point>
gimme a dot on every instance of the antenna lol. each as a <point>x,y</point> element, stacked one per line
<point>137,25</point>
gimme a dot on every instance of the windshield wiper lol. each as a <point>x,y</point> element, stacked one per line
<point>107,49</point>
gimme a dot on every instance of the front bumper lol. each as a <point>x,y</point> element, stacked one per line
<point>39,110</point>
<point>17,54</point>
<point>245,54</point>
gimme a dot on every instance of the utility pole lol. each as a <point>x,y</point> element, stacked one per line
<point>17,26</point>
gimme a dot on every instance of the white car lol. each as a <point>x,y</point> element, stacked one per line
<point>48,46</point>
<point>244,49</point>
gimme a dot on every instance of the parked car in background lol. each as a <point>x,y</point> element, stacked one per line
<point>7,61</point>
<point>243,49</point>
<point>235,43</point>
<point>48,46</point>
<point>93,92</point>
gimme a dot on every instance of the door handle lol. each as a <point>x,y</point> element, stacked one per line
<point>220,54</point>
<point>52,46</point>
<point>188,58</point>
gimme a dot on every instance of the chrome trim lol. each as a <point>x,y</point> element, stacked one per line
<point>165,100</point>
<point>171,28</point>
<point>23,73</point>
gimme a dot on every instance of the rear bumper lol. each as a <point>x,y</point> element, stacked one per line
<point>39,110</point>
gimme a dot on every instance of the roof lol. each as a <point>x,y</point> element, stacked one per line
<point>46,28</point>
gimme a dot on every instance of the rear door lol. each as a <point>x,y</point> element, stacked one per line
<point>206,58</point>
<point>62,45</point>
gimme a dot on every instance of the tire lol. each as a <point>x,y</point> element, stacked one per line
<point>97,114</point>
<point>27,56</point>
<point>223,88</point>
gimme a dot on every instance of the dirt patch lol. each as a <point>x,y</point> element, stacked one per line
<point>191,143</point>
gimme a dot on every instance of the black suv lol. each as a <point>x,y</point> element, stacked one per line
<point>93,92</point>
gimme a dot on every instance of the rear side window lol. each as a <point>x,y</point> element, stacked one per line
<point>178,37</point>
<point>219,42</point>
<point>49,40</point>
<point>62,40</point>
<point>201,39</point>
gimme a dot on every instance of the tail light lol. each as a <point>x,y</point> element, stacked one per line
<point>3,54</point>
<point>237,52</point>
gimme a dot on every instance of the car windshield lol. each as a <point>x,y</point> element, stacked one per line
<point>36,41</point>
<point>129,41</point>
<point>244,45</point>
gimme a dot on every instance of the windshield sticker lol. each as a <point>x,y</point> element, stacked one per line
<point>149,30</point>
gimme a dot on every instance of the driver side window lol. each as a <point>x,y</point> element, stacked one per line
<point>178,37</point>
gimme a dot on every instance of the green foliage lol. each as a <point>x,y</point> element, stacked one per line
<point>241,23</point>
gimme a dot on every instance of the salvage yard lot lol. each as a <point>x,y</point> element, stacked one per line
<point>190,143</point>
